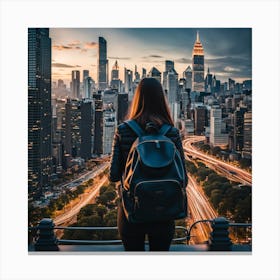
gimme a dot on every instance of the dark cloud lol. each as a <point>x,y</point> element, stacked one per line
<point>119,57</point>
<point>232,66</point>
<point>75,45</point>
<point>183,60</point>
<point>155,56</point>
<point>62,47</point>
<point>62,65</point>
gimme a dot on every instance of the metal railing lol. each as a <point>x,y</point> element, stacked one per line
<point>46,240</point>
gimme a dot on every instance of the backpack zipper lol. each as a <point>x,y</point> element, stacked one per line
<point>152,181</point>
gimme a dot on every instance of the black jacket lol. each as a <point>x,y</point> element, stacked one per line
<point>123,140</point>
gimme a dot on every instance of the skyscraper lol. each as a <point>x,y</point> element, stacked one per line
<point>86,129</point>
<point>109,127</point>
<point>76,84</point>
<point>200,120</point>
<point>188,76</point>
<point>39,111</point>
<point>122,107</point>
<point>98,124</point>
<point>208,81</point>
<point>198,66</point>
<point>169,65</point>
<point>102,74</point>
<point>128,75</point>
<point>72,127</point>
<point>115,81</point>
<point>217,137</point>
<point>247,139</point>
<point>85,88</point>
<point>155,73</point>
<point>144,73</point>
<point>172,85</point>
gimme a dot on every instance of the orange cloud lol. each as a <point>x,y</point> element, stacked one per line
<point>91,45</point>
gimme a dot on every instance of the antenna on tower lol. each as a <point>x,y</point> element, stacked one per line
<point>197,36</point>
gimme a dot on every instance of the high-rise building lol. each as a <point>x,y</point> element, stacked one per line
<point>85,76</point>
<point>155,73</point>
<point>239,128</point>
<point>115,81</point>
<point>208,81</point>
<point>172,85</point>
<point>76,84</point>
<point>247,85</point>
<point>200,120</point>
<point>169,65</point>
<point>88,85</point>
<point>110,98</point>
<point>102,73</point>
<point>198,66</point>
<point>122,107</point>
<point>247,139</point>
<point>231,85</point>
<point>72,127</point>
<point>86,129</point>
<point>109,128</point>
<point>188,76</point>
<point>136,73</point>
<point>58,135</point>
<point>98,124</point>
<point>217,137</point>
<point>128,76</point>
<point>79,128</point>
<point>144,73</point>
<point>115,72</point>
<point>39,112</point>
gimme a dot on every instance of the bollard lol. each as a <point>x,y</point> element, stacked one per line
<point>47,240</point>
<point>219,237</point>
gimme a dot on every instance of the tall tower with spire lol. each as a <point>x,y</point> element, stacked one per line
<point>115,81</point>
<point>198,66</point>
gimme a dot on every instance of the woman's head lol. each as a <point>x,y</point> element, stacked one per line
<point>149,103</point>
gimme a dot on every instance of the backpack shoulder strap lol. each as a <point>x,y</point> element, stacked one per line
<point>135,127</point>
<point>164,129</point>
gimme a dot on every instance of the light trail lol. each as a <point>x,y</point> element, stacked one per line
<point>200,209</point>
<point>84,201</point>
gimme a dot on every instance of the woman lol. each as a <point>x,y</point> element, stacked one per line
<point>150,110</point>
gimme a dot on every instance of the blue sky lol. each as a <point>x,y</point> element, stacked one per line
<point>227,51</point>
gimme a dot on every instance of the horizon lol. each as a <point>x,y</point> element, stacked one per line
<point>76,49</point>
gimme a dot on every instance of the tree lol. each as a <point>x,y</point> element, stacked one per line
<point>202,173</point>
<point>216,197</point>
<point>191,167</point>
<point>216,150</point>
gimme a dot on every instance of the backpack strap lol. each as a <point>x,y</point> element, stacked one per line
<point>164,129</point>
<point>135,127</point>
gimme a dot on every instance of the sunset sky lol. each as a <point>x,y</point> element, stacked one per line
<point>227,51</point>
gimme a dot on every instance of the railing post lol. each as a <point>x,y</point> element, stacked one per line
<point>47,240</point>
<point>219,237</point>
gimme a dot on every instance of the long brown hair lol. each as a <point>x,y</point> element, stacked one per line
<point>149,104</point>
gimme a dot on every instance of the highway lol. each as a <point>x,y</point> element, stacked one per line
<point>230,171</point>
<point>199,206</point>
<point>86,176</point>
<point>200,209</point>
<point>86,198</point>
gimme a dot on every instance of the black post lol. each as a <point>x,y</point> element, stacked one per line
<point>47,240</point>
<point>219,237</point>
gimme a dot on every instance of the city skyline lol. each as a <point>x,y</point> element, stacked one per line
<point>76,49</point>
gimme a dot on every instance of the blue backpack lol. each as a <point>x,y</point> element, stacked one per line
<point>153,184</point>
